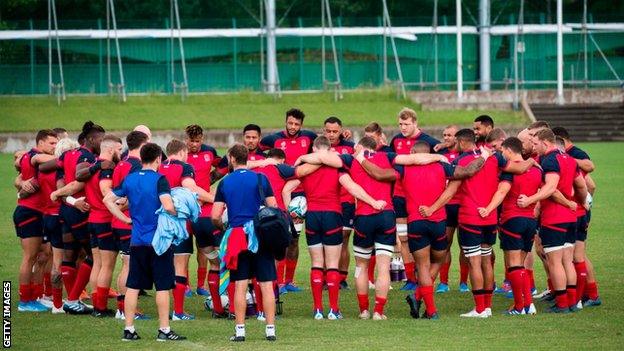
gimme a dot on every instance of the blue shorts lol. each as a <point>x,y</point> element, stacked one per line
<point>103,233</point>
<point>75,222</point>
<point>147,269</point>
<point>185,247</point>
<point>323,228</point>
<point>452,215</point>
<point>582,224</point>
<point>471,237</point>
<point>423,233</point>
<point>28,222</point>
<point>556,235</point>
<point>123,240</point>
<point>53,230</point>
<point>260,265</point>
<point>348,215</point>
<point>400,207</point>
<point>518,233</point>
<point>379,228</point>
<point>205,233</point>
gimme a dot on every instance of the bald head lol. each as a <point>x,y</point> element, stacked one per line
<point>144,129</point>
<point>527,142</point>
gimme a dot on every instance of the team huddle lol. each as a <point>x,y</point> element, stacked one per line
<point>83,203</point>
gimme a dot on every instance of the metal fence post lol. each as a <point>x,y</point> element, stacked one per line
<point>300,22</point>
<point>235,56</point>
<point>32,60</point>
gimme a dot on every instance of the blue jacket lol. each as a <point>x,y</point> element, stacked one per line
<point>172,229</point>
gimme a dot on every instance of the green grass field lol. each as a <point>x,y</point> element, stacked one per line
<point>595,328</point>
<point>220,111</point>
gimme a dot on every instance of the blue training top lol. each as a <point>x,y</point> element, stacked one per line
<point>239,191</point>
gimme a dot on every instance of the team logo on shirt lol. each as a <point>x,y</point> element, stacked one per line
<point>207,158</point>
<point>283,145</point>
<point>304,143</point>
<point>252,158</point>
<point>399,145</point>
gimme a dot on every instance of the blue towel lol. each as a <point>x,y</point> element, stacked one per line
<point>252,245</point>
<point>171,230</point>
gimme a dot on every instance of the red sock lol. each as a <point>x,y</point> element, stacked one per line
<point>418,294</point>
<point>94,299</point>
<point>102,298</point>
<point>343,275</point>
<point>121,306</point>
<point>571,291</point>
<point>333,288</point>
<point>57,297</point>
<point>201,277</point>
<point>258,293</point>
<point>230,292</point>
<point>68,274</point>
<point>410,271</point>
<point>531,277</point>
<point>281,267</point>
<point>581,278</point>
<point>487,298</point>
<point>37,290</point>
<point>561,298</point>
<point>516,278</point>
<point>47,284</point>
<point>316,284</point>
<point>25,292</point>
<point>380,303</point>
<point>427,295</point>
<point>82,279</point>
<point>592,290</point>
<point>464,268</point>
<point>371,269</point>
<point>479,299</point>
<point>527,289</point>
<point>363,302</point>
<point>291,267</point>
<point>213,287</point>
<point>178,294</point>
<point>444,271</point>
<point>550,286</point>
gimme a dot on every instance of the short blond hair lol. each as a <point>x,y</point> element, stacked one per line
<point>407,113</point>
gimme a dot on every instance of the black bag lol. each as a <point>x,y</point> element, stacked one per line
<point>273,227</point>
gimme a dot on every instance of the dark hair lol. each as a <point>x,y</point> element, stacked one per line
<point>545,135</point>
<point>514,144</point>
<point>135,139</point>
<point>465,135</point>
<point>175,146</point>
<point>373,127</point>
<point>421,146</point>
<point>561,132</point>
<point>194,131</point>
<point>495,134</point>
<point>276,153</point>
<point>90,128</point>
<point>59,130</point>
<point>150,152</point>
<point>486,120</point>
<point>368,142</point>
<point>333,120</point>
<point>44,134</point>
<point>252,127</point>
<point>539,125</point>
<point>239,152</point>
<point>295,113</point>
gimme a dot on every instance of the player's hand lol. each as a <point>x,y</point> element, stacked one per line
<point>425,211</point>
<point>572,205</point>
<point>443,159</point>
<point>485,152</point>
<point>379,205</point>
<point>359,156</point>
<point>439,147</point>
<point>54,195</point>
<point>30,186</point>
<point>347,134</point>
<point>82,205</point>
<point>523,201</point>
<point>106,164</point>
<point>298,161</point>
<point>127,220</point>
<point>483,212</point>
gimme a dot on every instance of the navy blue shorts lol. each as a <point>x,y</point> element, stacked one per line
<point>452,215</point>
<point>379,228</point>
<point>518,233</point>
<point>555,235</point>
<point>400,207</point>
<point>75,222</point>
<point>123,239</point>
<point>471,236</point>
<point>348,215</point>
<point>147,269</point>
<point>106,239</point>
<point>53,230</point>
<point>185,247</point>
<point>205,233</point>
<point>423,233</point>
<point>260,265</point>
<point>582,224</point>
<point>28,222</point>
<point>323,228</point>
